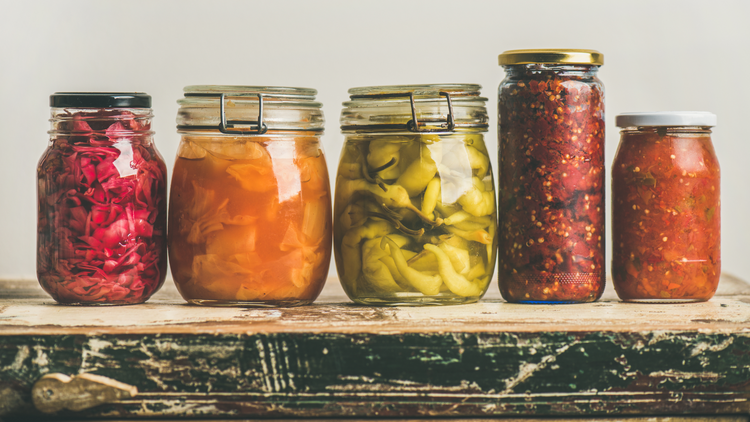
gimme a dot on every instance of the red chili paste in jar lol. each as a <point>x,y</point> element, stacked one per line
<point>551,173</point>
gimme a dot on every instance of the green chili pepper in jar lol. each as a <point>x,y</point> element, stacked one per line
<point>350,247</point>
<point>374,270</point>
<point>428,285</point>
<point>420,172</point>
<point>430,189</point>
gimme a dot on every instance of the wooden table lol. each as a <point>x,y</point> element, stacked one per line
<point>490,359</point>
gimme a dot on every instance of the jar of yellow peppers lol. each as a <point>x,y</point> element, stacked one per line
<point>415,220</point>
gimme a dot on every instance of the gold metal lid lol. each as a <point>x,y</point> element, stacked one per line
<point>551,55</point>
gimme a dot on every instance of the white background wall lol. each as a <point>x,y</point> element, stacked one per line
<point>659,55</point>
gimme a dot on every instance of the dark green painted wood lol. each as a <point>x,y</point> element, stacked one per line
<point>392,375</point>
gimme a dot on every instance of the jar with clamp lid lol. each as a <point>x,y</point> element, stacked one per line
<point>250,201</point>
<point>415,218</point>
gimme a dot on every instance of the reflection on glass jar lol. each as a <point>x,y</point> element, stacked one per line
<point>666,216</point>
<point>551,177</point>
<point>415,216</point>
<point>250,205</point>
<point>102,201</point>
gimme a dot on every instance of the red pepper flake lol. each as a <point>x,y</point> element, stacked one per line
<point>551,171</point>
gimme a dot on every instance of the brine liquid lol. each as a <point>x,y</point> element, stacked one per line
<point>250,221</point>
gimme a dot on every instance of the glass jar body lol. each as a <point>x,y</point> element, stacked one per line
<point>551,184</point>
<point>415,218</point>
<point>250,219</point>
<point>666,216</point>
<point>102,200</point>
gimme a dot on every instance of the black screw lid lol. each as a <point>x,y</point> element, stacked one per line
<point>100,100</point>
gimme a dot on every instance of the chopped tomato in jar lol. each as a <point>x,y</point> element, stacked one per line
<point>666,214</point>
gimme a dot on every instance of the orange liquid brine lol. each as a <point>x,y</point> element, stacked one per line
<point>250,220</point>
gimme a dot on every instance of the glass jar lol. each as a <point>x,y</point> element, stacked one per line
<point>551,177</point>
<point>250,201</point>
<point>666,216</point>
<point>102,201</point>
<point>415,218</point>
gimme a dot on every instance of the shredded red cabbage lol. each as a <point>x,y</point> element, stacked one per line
<point>102,210</point>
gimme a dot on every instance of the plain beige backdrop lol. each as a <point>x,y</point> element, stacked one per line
<point>659,55</point>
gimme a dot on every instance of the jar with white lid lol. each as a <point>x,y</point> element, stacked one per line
<point>666,208</point>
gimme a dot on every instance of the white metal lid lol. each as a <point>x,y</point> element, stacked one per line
<point>666,118</point>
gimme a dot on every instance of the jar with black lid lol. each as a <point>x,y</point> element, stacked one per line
<point>102,205</point>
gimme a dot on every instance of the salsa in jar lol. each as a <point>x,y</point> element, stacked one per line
<point>666,219</point>
<point>551,177</point>
<point>250,203</point>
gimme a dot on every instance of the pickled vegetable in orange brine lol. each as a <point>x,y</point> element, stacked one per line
<point>250,220</point>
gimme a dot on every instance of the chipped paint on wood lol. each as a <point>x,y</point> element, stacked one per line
<point>424,374</point>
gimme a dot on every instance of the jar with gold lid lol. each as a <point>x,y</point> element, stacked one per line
<point>551,176</point>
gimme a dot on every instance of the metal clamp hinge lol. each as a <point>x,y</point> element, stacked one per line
<point>413,124</point>
<point>226,126</point>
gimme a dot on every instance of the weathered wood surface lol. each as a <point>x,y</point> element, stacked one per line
<point>335,359</point>
<point>606,419</point>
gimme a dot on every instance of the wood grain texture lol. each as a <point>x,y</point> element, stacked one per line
<point>604,419</point>
<point>338,360</point>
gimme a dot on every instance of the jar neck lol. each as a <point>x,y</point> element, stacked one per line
<point>408,133</point>
<point>101,121</point>
<point>542,69</point>
<point>667,130</point>
<point>270,135</point>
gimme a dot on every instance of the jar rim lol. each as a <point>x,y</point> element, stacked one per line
<point>269,91</point>
<point>419,90</point>
<point>551,55</point>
